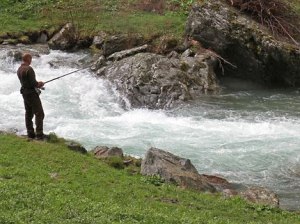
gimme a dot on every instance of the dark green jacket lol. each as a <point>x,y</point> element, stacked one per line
<point>27,79</point>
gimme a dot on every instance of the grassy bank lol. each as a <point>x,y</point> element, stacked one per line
<point>47,183</point>
<point>91,16</point>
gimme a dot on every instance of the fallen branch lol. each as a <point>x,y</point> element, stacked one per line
<point>221,58</point>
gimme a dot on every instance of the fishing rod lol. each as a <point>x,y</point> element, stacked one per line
<point>38,90</point>
<point>66,74</point>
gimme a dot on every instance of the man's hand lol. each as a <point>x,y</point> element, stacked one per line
<point>40,84</point>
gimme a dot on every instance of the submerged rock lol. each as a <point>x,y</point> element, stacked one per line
<point>16,55</point>
<point>16,52</point>
<point>244,43</point>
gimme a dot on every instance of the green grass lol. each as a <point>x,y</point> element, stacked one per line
<point>92,16</point>
<point>47,183</point>
<point>89,16</point>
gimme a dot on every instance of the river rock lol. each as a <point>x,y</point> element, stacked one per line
<point>244,43</point>
<point>105,152</point>
<point>220,183</point>
<point>261,195</point>
<point>126,53</point>
<point>74,146</point>
<point>101,61</point>
<point>65,39</point>
<point>166,44</point>
<point>174,169</point>
<point>99,40</point>
<point>16,55</point>
<point>157,82</point>
<point>118,43</point>
<point>16,52</point>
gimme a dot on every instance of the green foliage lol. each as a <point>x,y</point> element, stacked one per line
<point>90,17</point>
<point>112,16</point>
<point>48,183</point>
<point>156,180</point>
<point>24,9</point>
<point>53,138</point>
<point>185,5</point>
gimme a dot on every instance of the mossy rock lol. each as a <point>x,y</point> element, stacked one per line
<point>94,50</point>
<point>24,40</point>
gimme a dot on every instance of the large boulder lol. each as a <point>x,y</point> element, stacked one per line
<point>174,169</point>
<point>182,172</point>
<point>106,152</point>
<point>244,43</point>
<point>65,39</point>
<point>159,82</point>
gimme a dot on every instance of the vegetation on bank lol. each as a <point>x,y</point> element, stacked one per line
<point>42,182</point>
<point>92,16</point>
<point>147,17</point>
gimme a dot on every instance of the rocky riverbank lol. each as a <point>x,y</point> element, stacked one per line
<point>47,183</point>
<point>170,168</point>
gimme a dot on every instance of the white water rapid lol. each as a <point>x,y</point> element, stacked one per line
<point>248,135</point>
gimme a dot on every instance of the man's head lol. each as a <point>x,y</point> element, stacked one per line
<point>27,58</point>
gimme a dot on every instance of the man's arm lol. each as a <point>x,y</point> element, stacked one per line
<point>32,80</point>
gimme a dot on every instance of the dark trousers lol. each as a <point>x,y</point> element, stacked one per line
<point>33,107</point>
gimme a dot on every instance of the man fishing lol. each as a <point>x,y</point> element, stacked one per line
<point>30,92</point>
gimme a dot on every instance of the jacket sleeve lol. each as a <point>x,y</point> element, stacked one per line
<point>31,78</point>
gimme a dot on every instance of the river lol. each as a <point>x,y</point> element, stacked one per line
<point>247,134</point>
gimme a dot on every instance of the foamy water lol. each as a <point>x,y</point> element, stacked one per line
<point>248,136</point>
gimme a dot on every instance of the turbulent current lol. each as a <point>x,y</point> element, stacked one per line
<point>247,134</point>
